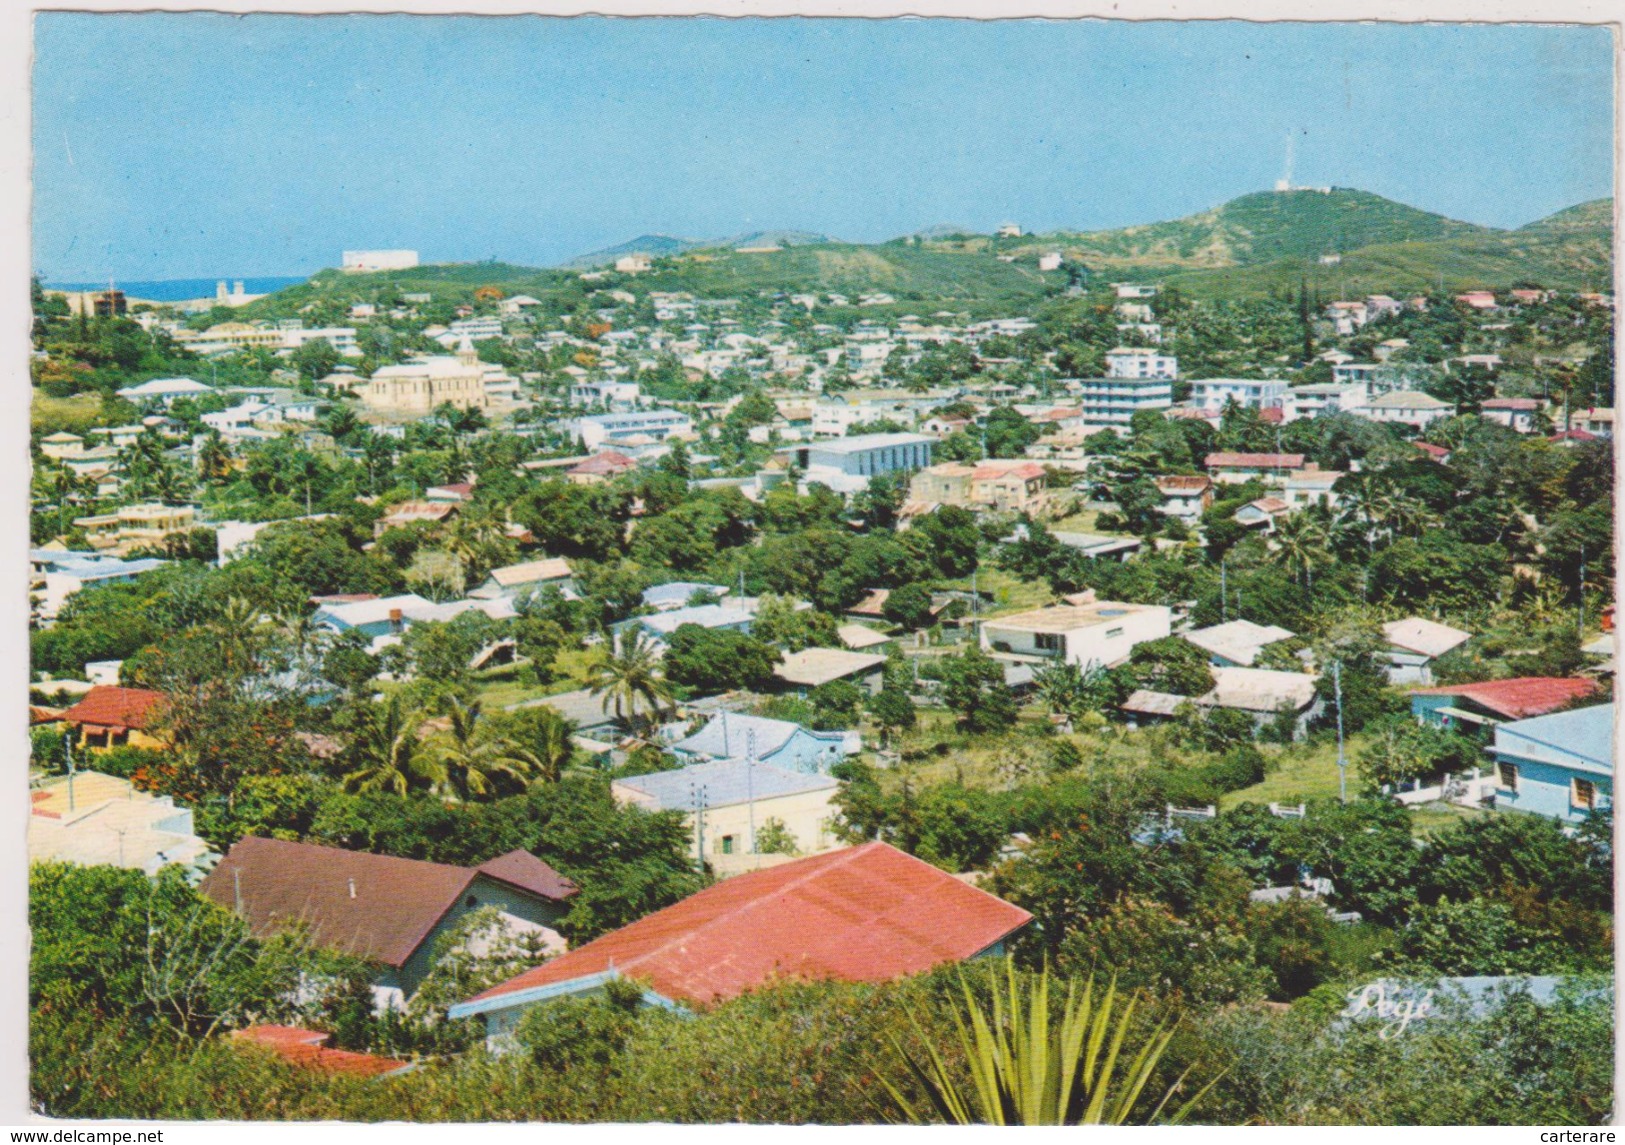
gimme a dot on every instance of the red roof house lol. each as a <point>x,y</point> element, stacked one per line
<point>384,909</point>
<point>600,467</point>
<point>109,716</point>
<point>308,1048</point>
<point>862,914</point>
<point>1438,452</point>
<point>1514,699</point>
<point>1240,466</point>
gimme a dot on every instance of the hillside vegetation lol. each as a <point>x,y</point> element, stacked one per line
<point>1255,245</point>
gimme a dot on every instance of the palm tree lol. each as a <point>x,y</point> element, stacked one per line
<point>548,748</point>
<point>213,458</point>
<point>1300,542</point>
<point>630,676</point>
<point>475,766</point>
<point>388,753</point>
<point>239,627</point>
<point>1365,511</point>
<point>1409,516</point>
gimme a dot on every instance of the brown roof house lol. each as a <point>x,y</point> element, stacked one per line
<point>385,910</point>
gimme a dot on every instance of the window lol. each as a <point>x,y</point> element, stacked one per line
<point>472,901</point>
<point>1584,794</point>
<point>1113,633</point>
<point>727,844</point>
<point>1047,641</point>
<point>1509,775</point>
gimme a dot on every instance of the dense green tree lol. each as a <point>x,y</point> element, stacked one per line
<point>973,688</point>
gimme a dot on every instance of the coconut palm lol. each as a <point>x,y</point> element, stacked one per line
<point>1365,510</point>
<point>388,754</point>
<point>1409,516</point>
<point>1299,541</point>
<point>214,458</point>
<point>476,766</point>
<point>542,741</point>
<point>630,676</point>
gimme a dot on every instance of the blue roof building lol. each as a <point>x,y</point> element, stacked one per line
<point>679,593</point>
<point>1560,765</point>
<point>780,743</point>
<point>720,617</point>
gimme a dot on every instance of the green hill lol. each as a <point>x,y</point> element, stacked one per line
<point>1259,228</point>
<point>1597,215</point>
<point>1255,245</point>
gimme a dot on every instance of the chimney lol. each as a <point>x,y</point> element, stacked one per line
<point>237,289</point>
<point>395,619</point>
<point>352,888</point>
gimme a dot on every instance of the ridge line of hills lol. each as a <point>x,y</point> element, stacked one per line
<point>1339,242</point>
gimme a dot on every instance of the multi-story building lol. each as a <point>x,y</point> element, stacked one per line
<point>1347,373</point>
<point>1254,393</point>
<point>135,526</point>
<point>597,430</point>
<point>1115,401</point>
<point>614,395</point>
<point>1323,398</point>
<point>1185,496</point>
<point>1140,362</point>
<point>1015,485</point>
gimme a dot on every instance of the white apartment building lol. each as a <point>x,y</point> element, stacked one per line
<point>341,338</point>
<point>1323,398</point>
<point>1346,373</point>
<point>477,329</point>
<point>1140,362</point>
<point>1254,393</point>
<point>616,395</point>
<point>1115,401</point>
<point>596,430</point>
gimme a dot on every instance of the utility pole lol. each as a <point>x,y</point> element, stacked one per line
<point>1224,600</point>
<point>696,799</point>
<point>1342,762</point>
<point>67,750</point>
<point>1581,633</point>
<point>750,784</point>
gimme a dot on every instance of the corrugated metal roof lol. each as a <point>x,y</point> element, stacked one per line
<point>863,914</point>
<point>722,783</point>
<point>374,906</point>
<point>1520,697</point>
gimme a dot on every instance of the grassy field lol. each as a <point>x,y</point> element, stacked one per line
<point>1084,521</point>
<point>75,414</point>
<point>1299,773</point>
<point>1010,593</point>
<point>1431,819</point>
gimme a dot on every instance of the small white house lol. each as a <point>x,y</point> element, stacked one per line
<point>1100,632</point>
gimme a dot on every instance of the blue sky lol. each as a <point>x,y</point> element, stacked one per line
<point>180,145</point>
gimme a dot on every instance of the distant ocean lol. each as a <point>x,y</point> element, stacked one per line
<point>182,289</point>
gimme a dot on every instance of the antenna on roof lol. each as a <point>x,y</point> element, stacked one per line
<point>1286,180</point>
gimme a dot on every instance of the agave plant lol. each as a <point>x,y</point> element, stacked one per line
<point>1027,1069</point>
